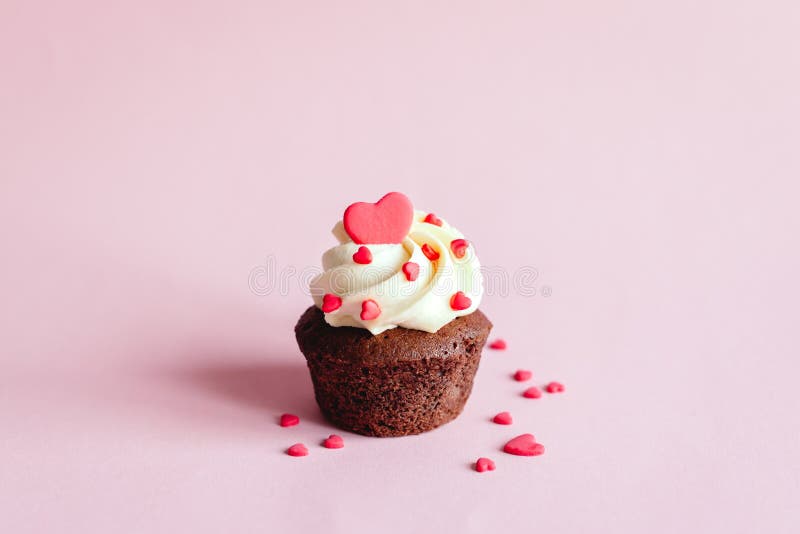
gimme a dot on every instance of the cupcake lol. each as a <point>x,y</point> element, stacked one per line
<point>394,337</point>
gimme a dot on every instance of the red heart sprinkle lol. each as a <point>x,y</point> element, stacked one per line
<point>498,344</point>
<point>430,252</point>
<point>330,302</point>
<point>386,221</point>
<point>362,256</point>
<point>524,445</point>
<point>484,464</point>
<point>289,419</point>
<point>460,301</point>
<point>459,247</point>
<point>369,310</point>
<point>298,449</point>
<point>333,442</point>
<point>554,387</point>
<point>411,270</point>
<point>532,393</point>
<point>522,375</point>
<point>503,418</point>
<point>432,219</point>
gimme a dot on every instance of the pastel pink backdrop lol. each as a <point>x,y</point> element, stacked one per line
<point>642,156</point>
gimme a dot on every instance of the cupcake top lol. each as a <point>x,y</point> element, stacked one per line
<point>395,266</point>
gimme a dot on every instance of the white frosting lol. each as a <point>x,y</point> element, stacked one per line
<point>422,304</point>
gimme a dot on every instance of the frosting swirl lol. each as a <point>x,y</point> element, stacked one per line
<point>423,283</point>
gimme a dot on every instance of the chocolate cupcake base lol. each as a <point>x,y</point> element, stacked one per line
<point>397,383</point>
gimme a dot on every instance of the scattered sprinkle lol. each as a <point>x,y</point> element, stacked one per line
<point>524,445</point>
<point>532,393</point>
<point>459,301</point>
<point>484,464</point>
<point>498,344</point>
<point>289,419</point>
<point>503,418</point>
<point>298,449</point>
<point>522,375</point>
<point>430,252</point>
<point>554,387</point>
<point>363,255</point>
<point>330,303</point>
<point>370,310</point>
<point>459,247</point>
<point>333,442</point>
<point>411,270</point>
<point>432,219</point>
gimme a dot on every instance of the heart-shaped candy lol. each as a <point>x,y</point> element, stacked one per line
<point>298,449</point>
<point>498,344</point>
<point>522,375</point>
<point>363,256</point>
<point>459,301</point>
<point>503,418</point>
<point>459,247</point>
<point>387,221</point>
<point>370,310</point>
<point>430,252</point>
<point>484,464</point>
<point>289,419</point>
<point>411,270</point>
<point>330,303</point>
<point>524,445</point>
<point>532,393</point>
<point>333,442</point>
<point>432,219</point>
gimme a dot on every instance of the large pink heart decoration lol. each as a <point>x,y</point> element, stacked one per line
<point>385,222</point>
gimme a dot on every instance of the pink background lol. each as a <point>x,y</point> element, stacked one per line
<point>642,156</point>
